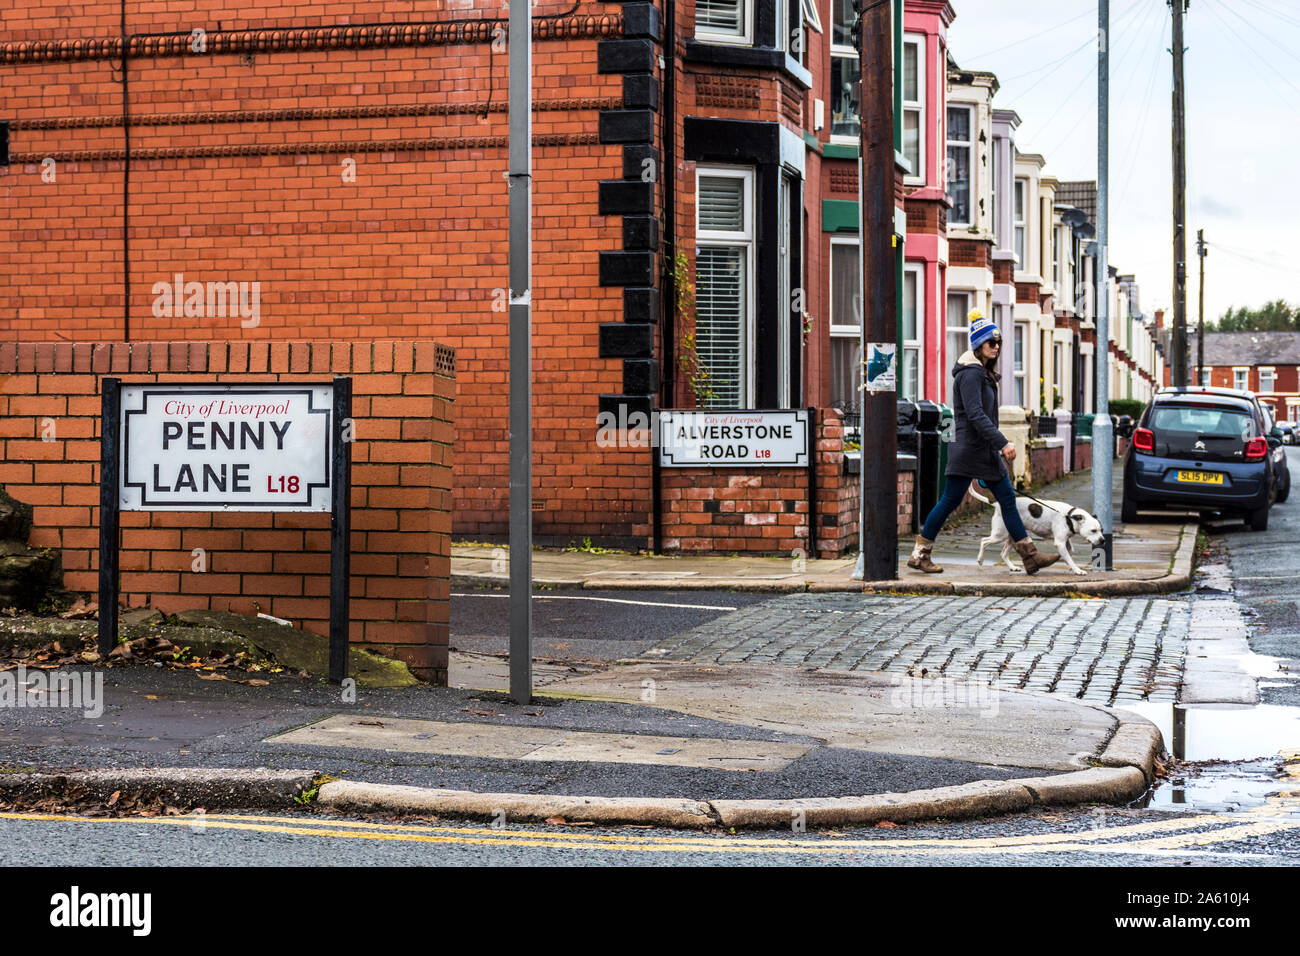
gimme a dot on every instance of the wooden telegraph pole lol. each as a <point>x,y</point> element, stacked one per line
<point>879,474</point>
<point>1180,204</point>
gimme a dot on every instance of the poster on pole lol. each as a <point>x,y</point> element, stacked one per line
<point>879,367</point>
<point>256,447</point>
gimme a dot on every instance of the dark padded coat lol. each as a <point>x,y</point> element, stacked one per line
<point>977,445</point>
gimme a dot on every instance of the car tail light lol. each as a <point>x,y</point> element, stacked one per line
<point>1144,439</point>
<point>1256,449</point>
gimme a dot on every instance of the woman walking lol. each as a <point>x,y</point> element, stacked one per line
<point>978,451</point>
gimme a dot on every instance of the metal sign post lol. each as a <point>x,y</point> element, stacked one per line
<point>1102,464</point>
<point>227,447</point>
<point>521,355</point>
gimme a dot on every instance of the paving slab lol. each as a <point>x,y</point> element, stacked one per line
<point>1152,557</point>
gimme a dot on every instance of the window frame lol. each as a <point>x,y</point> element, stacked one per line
<point>969,146</point>
<point>1020,366</point>
<point>841,51</point>
<point>744,38</point>
<point>918,106</point>
<point>745,238</point>
<point>840,328</point>
<point>916,344</point>
<point>1244,372</point>
<point>1020,221</point>
<point>949,329</point>
<point>1272,378</point>
<point>995,168</point>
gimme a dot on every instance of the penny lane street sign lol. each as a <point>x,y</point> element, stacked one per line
<point>248,448</point>
<point>697,439</point>
<point>227,447</point>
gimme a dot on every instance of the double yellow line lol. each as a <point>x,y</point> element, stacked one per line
<point>1278,814</point>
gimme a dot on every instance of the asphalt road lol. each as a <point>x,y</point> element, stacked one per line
<point>588,625</point>
<point>1107,837</point>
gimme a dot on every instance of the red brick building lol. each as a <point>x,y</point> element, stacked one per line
<point>1266,363</point>
<point>334,171</point>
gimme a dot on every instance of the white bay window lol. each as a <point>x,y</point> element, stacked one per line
<point>724,285</point>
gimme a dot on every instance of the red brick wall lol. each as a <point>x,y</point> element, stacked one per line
<point>906,500</point>
<point>237,175</point>
<point>1082,455</point>
<point>403,396</point>
<point>765,510</point>
<point>1046,464</point>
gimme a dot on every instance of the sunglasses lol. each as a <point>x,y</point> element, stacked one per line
<point>996,343</point>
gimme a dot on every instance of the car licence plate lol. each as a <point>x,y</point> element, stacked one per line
<point>1201,477</point>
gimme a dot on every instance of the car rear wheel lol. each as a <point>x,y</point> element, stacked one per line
<point>1128,511</point>
<point>1258,519</point>
<point>1285,491</point>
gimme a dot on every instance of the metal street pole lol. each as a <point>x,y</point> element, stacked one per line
<point>1102,463</point>
<point>1180,204</point>
<point>1200,309</point>
<point>879,478</point>
<point>521,355</point>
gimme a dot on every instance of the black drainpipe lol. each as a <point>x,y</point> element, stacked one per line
<point>126,186</point>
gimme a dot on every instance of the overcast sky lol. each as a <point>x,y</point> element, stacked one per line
<point>1243,96</point>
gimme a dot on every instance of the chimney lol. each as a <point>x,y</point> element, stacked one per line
<point>1160,318</point>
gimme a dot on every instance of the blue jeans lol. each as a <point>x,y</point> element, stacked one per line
<point>954,490</point>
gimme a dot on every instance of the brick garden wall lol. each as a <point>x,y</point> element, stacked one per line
<point>765,510</point>
<point>1082,455</point>
<point>403,396</point>
<point>1046,464</point>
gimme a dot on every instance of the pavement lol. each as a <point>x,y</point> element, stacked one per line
<point>1152,557</point>
<point>641,741</point>
<point>796,708</point>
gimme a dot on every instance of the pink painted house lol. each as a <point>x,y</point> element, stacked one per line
<point>926,360</point>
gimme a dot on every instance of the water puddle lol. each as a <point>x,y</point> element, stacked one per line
<point>1218,732</point>
<point>1226,788</point>
<point>1234,756</point>
<point>1214,577</point>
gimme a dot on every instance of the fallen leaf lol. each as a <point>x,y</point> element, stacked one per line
<point>213,677</point>
<point>886,825</point>
<point>481,713</point>
<point>112,801</point>
<point>556,821</point>
<point>256,683</point>
<point>152,697</point>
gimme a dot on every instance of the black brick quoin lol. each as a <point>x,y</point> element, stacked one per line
<point>623,407</point>
<point>641,305</point>
<point>640,232</point>
<point>623,340</point>
<point>635,165</point>
<point>641,20</point>
<point>626,56</point>
<point>622,197</point>
<point>640,376</point>
<point>635,266</point>
<point>640,91</point>
<point>627,268</point>
<point>627,126</point>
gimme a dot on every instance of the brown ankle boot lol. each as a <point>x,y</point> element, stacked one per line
<point>1033,561</point>
<point>920,559</point>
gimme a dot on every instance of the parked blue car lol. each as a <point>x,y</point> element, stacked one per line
<point>1202,449</point>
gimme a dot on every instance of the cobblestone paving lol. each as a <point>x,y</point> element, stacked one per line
<point>1108,651</point>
